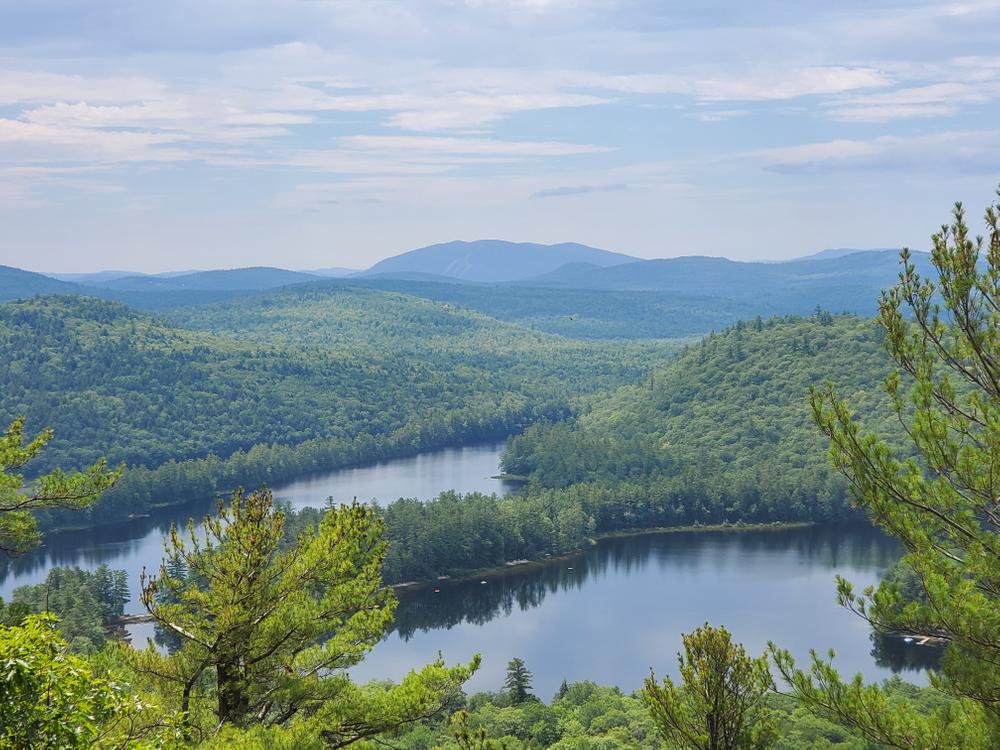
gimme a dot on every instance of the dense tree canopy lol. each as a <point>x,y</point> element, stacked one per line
<point>86,603</point>
<point>278,386</point>
<point>721,433</point>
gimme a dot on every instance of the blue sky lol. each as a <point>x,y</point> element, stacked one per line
<point>306,133</point>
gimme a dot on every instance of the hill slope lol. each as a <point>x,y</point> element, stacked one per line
<point>843,283</point>
<point>723,432</point>
<point>235,279</point>
<point>17,284</point>
<point>304,383</point>
<point>577,313</point>
<point>494,260</point>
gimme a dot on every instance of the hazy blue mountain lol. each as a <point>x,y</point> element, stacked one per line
<point>840,252</point>
<point>494,260</point>
<point>96,277</point>
<point>235,279</point>
<point>431,278</point>
<point>18,284</point>
<point>333,272</point>
<point>843,281</point>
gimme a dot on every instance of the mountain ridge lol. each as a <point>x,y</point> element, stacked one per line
<point>490,260</point>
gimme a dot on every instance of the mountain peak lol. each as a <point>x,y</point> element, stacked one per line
<point>490,260</point>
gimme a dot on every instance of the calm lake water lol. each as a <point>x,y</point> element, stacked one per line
<point>608,615</point>
<point>611,614</point>
<point>136,544</point>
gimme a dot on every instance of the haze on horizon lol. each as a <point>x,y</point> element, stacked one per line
<point>211,134</point>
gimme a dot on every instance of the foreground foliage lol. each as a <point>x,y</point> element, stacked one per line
<point>267,629</point>
<point>587,716</point>
<point>941,504</point>
<point>720,702</point>
<point>51,699</point>
<point>21,499</point>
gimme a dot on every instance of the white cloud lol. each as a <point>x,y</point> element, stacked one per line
<point>483,146</point>
<point>932,100</point>
<point>19,86</point>
<point>968,151</point>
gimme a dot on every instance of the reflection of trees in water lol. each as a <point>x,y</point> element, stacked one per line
<point>476,603</point>
<point>894,653</point>
<point>471,602</point>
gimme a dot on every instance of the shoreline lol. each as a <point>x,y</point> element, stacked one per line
<point>519,565</point>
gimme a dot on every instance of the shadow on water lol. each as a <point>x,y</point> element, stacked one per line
<point>893,653</point>
<point>679,553</point>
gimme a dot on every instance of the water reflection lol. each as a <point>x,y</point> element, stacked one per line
<point>138,543</point>
<point>618,609</point>
<point>672,554</point>
<point>895,654</point>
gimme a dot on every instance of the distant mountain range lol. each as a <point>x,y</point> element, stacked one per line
<point>569,289</point>
<point>15,284</point>
<point>565,265</point>
<point>720,276</point>
<point>236,279</point>
<point>840,252</point>
<point>494,260</point>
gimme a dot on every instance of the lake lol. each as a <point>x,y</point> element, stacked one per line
<point>139,543</point>
<point>612,613</point>
<point>609,614</point>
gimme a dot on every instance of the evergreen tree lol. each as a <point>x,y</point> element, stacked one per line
<point>721,702</point>
<point>57,489</point>
<point>267,633</point>
<point>563,689</point>
<point>518,681</point>
<point>940,499</point>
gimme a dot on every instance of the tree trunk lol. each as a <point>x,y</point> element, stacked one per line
<point>234,702</point>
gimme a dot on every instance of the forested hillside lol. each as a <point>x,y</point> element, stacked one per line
<point>580,313</point>
<point>722,433</point>
<point>304,383</point>
<point>364,319</point>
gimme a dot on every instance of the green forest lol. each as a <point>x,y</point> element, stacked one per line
<point>723,433</point>
<point>261,611</point>
<point>277,386</point>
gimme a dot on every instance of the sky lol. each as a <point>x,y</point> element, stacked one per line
<point>154,136</point>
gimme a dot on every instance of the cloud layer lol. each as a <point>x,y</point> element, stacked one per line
<point>332,133</point>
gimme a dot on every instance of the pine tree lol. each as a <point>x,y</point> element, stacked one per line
<point>274,628</point>
<point>518,682</point>
<point>57,489</point>
<point>720,703</point>
<point>563,689</point>
<point>940,498</point>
